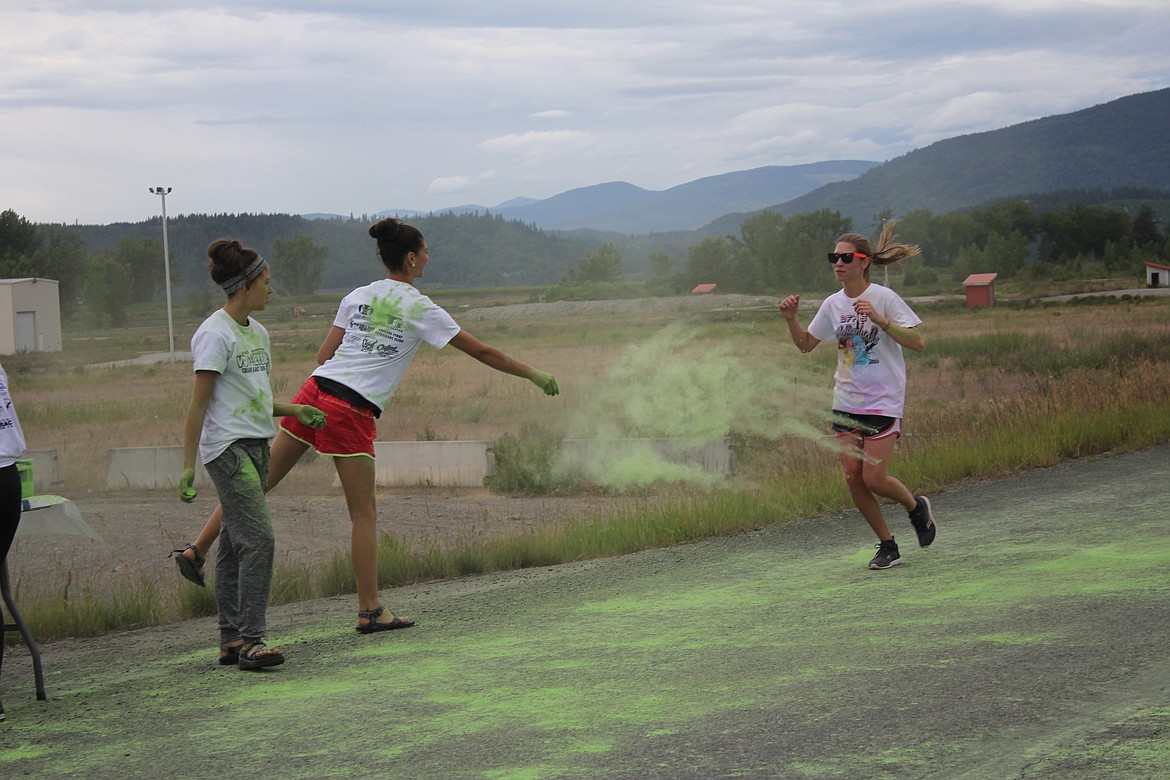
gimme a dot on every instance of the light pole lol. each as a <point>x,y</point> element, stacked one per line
<point>162,193</point>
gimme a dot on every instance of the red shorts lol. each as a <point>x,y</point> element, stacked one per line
<point>349,430</point>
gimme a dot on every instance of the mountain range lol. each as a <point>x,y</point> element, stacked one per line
<point>1118,144</point>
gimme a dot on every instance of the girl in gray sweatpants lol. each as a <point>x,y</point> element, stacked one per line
<point>228,426</point>
<point>243,566</point>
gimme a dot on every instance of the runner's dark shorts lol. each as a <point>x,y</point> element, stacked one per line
<point>868,426</point>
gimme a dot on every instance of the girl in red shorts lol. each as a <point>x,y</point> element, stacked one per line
<point>377,331</point>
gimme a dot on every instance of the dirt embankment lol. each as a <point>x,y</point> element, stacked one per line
<point>139,528</point>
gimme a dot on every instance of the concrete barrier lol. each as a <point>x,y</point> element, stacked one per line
<point>422,463</point>
<point>714,457</point>
<point>431,463</point>
<point>46,468</point>
<point>398,463</point>
<point>150,468</point>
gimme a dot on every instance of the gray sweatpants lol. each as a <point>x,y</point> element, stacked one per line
<point>243,565</point>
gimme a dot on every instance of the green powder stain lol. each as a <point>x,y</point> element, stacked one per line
<point>248,472</point>
<point>542,693</point>
<point>386,312</point>
<point>1015,638</point>
<point>258,406</point>
<point>21,753</point>
<point>528,773</point>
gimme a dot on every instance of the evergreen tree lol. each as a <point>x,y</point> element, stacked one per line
<point>298,264</point>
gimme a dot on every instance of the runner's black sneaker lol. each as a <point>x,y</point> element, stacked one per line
<point>922,518</point>
<point>887,555</point>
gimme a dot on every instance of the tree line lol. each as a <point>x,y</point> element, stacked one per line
<point>1012,238</point>
<point>1043,237</point>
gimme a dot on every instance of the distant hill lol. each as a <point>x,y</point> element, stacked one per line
<point>1118,144</point>
<point>620,207</point>
<point>623,208</point>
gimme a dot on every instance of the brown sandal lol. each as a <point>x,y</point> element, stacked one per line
<point>190,569</point>
<point>372,625</point>
<point>229,655</point>
<point>254,655</point>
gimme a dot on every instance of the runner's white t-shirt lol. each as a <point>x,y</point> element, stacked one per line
<point>384,323</point>
<point>871,369</point>
<point>11,436</point>
<point>241,403</point>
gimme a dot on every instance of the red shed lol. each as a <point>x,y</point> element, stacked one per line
<point>980,289</point>
<point>703,289</point>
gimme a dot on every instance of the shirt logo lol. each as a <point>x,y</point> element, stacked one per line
<point>254,361</point>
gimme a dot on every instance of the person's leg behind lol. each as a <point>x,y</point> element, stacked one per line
<point>879,451</point>
<point>876,471</point>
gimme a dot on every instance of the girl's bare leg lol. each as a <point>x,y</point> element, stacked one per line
<point>357,480</point>
<point>854,452</point>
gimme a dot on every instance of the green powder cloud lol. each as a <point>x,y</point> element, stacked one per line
<point>662,406</point>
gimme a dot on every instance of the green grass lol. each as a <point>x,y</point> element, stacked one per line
<point>90,615</point>
<point>1039,354</point>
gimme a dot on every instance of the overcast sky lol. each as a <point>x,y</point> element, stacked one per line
<point>359,106</point>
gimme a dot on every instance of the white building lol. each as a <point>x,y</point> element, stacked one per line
<point>1157,275</point>
<point>30,316</point>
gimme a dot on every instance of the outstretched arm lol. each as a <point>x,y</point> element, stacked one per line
<point>494,358</point>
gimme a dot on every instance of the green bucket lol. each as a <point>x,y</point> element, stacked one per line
<point>25,468</point>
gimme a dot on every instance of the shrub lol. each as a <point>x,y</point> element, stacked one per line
<point>525,464</point>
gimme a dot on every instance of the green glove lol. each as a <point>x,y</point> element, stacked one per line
<point>545,382</point>
<point>187,486</point>
<point>311,416</point>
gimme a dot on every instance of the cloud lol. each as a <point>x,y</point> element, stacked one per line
<point>448,184</point>
<point>244,120</point>
<point>537,145</point>
<point>360,105</point>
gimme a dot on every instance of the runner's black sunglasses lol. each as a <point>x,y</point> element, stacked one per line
<point>844,257</point>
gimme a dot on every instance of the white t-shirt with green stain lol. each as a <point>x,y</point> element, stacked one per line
<point>384,323</point>
<point>241,402</point>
